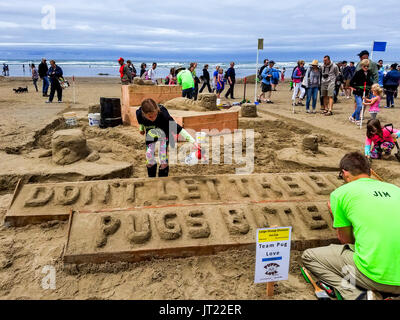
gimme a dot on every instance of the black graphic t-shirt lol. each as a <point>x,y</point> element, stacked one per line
<point>163,126</point>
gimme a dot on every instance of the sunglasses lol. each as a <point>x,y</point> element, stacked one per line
<point>367,67</point>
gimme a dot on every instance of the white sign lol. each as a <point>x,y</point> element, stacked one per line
<point>272,254</point>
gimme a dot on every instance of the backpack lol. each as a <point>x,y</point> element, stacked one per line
<point>260,71</point>
<point>275,75</point>
<point>166,80</point>
<point>294,69</point>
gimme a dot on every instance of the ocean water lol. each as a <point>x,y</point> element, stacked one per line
<point>88,68</point>
<point>111,68</point>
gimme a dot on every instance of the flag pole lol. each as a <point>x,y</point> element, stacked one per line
<point>372,51</point>
<point>255,85</point>
<point>260,46</point>
<point>73,87</point>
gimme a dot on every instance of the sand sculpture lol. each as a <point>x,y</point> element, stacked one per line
<point>69,146</point>
<point>142,82</point>
<point>125,220</point>
<point>312,155</point>
<point>248,110</point>
<point>205,102</point>
<point>310,143</point>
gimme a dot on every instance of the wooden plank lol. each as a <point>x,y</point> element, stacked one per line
<point>133,95</point>
<point>16,191</point>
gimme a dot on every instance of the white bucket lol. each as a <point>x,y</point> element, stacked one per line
<point>191,159</point>
<point>94,119</point>
<point>70,118</point>
<point>218,101</point>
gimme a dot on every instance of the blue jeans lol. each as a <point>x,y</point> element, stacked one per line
<point>356,114</point>
<point>188,93</point>
<point>312,93</point>
<point>390,91</point>
<point>45,85</point>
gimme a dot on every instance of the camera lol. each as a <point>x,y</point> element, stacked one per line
<point>325,76</point>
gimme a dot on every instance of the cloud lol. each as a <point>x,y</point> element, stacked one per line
<point>9,25</point>
<point>83,27</point>
<point>291,26</point>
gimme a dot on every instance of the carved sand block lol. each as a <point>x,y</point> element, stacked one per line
<point>35,203</point>
<point>248,110</point>
<point>205,102</point>
<point>68,146</point>
<point>185,231</point>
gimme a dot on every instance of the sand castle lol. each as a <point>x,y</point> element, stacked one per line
<point>205,102</point>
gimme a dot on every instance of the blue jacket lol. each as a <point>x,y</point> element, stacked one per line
<point>264,75</point>
<point>55,73</point>
<point>392,78</point>
<point>348,72</point>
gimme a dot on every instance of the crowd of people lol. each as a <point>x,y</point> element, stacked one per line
<point>328,79</point>
<point>186,77</point>
<point>367,82</point>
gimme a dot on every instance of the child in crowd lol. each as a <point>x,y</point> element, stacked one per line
<point>382,139</point>
<point>374,102</point>
<point>220,82</point>
<point>157,124</point>
<point>171,78</point>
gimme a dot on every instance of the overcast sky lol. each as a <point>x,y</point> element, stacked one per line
<point>291,28</point>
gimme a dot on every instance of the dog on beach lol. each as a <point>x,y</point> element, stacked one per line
<point>20,90</point>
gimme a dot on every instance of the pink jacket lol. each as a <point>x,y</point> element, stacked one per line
<point>297,78</point>
<point>375,107</point>
<point>387,137</point>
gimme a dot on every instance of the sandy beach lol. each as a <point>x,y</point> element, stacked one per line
<point>26,129</point>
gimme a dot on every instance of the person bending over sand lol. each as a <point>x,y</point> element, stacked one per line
<point>157,125</point>
<point>367,220</point>
<point>382,138</point>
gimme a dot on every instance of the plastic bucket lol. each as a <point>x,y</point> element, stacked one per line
<point>70,118</point>
<point>191,159</point>
<point>94,119</point>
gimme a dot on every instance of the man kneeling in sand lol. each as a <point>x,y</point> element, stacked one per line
<point>366,216</point>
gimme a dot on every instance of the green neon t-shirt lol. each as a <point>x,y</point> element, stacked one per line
<point>372,208</point>
<point>185,79</point>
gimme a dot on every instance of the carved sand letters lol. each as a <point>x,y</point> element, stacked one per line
<point>67,195</point>
<point>108,226</point>
<point>235,221</point>
<point>240,184</point>
<point>139,230</point>
<point>313,217</point>
<point>189,189</point>
<point>198,225</point>
<point>39,197</point>
<point>168,227</point>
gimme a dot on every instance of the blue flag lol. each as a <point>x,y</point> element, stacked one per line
<point>379,46</point>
